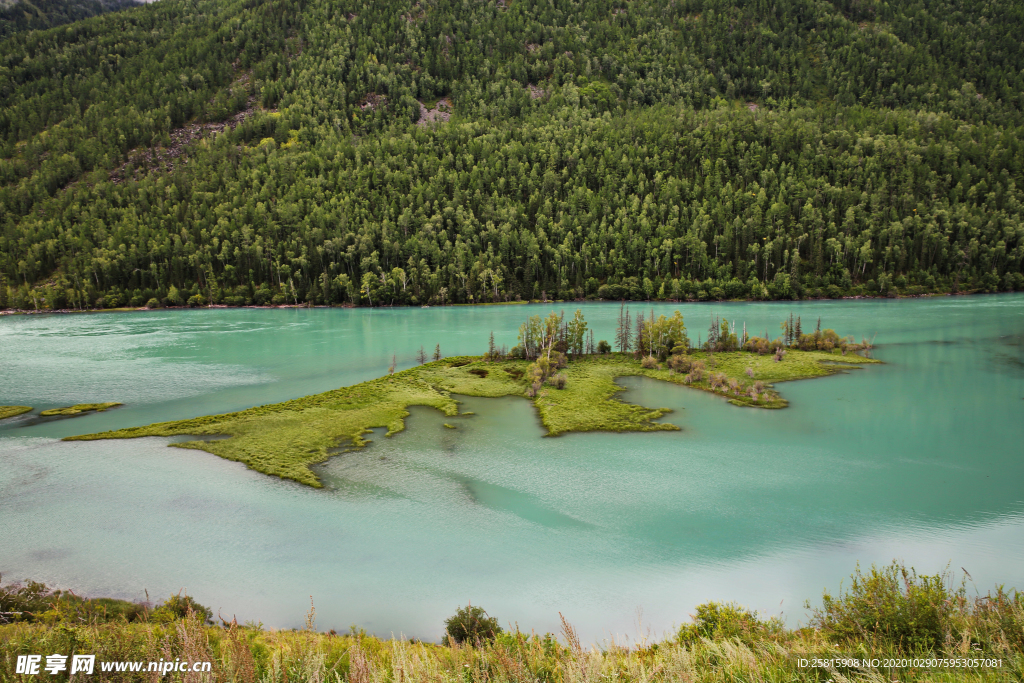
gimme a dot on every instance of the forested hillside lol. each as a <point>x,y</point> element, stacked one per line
<point>237,151</point>
<point>23,15</point>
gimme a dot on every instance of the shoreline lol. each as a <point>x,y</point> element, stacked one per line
<point>141,309</point>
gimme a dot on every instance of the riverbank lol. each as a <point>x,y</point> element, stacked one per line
<point>285,439</point>
<point>247,654</point>
<point>891,624</point>
<point>854,297</point>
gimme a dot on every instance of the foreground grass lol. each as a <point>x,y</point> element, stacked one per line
<point>79,408</point>
<point>11,411</point>
<point>890,624</point>
<point>246,655</point>
<point>284,439</point>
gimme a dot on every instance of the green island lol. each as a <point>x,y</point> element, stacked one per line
<point>556,365</point>
<point>11,411</point>
<point>78,409</point>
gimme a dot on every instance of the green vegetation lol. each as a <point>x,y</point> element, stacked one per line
<point>894,605</point>
<point>724,643</point>
<point>729,621</point>
<point>284,439</point>
<point>79,409</point>
<point>11,411</point>
<point>471,625</point>
<point>27,15</point>
<point>34,602</point>
<point>671,149</point>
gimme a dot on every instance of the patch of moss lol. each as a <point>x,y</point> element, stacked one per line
<point>284,439</point>
<point>11,411</point>
<point>79,409</point>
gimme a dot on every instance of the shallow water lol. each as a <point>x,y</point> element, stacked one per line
<point>918,459</point>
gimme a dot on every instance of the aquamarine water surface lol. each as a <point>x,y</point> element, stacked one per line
<point>920,459</point>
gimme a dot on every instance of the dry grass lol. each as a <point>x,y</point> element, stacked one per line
<point>248,655</point>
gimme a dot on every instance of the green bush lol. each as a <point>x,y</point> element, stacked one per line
<point>178,606</point>
<point>717,621</point>
<point>893,606</point>
<point>33,601</point>
<point>153,303</point>
<point>604,347</point>
<point>471,624</point>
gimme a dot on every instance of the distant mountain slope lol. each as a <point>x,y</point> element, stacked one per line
<point>26,15</point>
<point>655,148</point>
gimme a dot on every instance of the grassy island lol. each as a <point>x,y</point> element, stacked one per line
<point>78,409</point>
<point>570,381</point>
<point>11,411</point>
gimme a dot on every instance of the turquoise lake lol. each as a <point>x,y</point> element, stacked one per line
<point>920,459</point>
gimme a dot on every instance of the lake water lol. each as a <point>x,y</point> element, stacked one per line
<point>920,459</point>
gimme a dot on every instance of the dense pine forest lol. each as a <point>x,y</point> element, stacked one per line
<point>191,152</point>
<point>22,15</point>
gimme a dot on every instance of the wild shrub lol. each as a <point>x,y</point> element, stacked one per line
<point>604,347</point>
<point>997,622</point>
<point>893,606</point>
<point>178,607</point>
<point>560,380</point>
<point>649,362</point>
<point>471,625</point>
<point>720,621</point>
<point>696,374</point>
<point>679,363</point>
<point>757,345</point>
<point>35,602</point>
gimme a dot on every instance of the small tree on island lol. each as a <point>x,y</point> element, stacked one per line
<point>421,356</point>
<point>471,625</point>
<point>622,332</point>
<point>437,352</point>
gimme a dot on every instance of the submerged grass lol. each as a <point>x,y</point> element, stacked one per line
<point>11,411</point>
<point>79,408</point>
<point>284,439</point>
